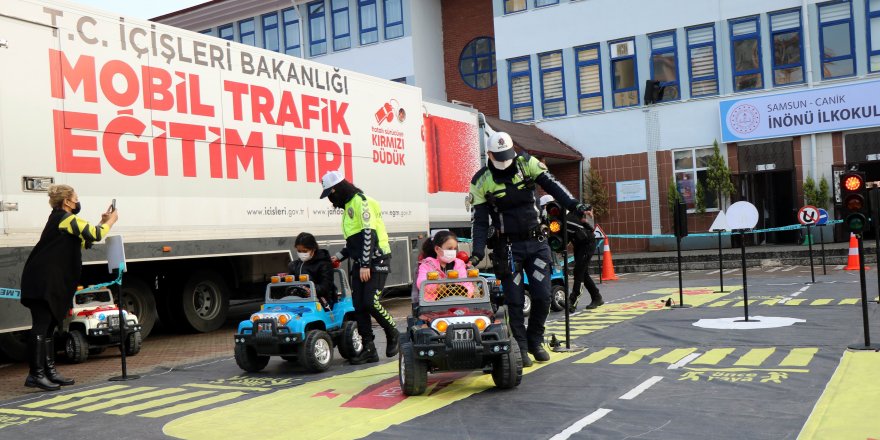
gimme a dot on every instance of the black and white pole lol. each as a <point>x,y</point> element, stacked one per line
<point>123,331</point>
<point>742,242</point>
<point>810,244</point>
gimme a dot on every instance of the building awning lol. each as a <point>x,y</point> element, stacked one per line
<point>535,141</point>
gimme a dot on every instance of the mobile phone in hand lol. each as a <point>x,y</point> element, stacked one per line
<point>113,205</point>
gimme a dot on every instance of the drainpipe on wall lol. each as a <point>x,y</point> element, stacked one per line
<point>814,162</point>
<point>581,180</point>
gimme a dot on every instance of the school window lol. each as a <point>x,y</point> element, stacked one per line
<point>539,3</point>
<point>552,84</point>
<point>292,42</point>
<point>625,78</point>
<point>393,19</point>
<point>785,33</point>
<point>399,80</point>
<point>514,6</point>
<point>247,32</point>
<point>341,28</point>
<point>690,170</point>
<point>836,39</point>
<point>664,64</point>
<point>589,78</point>
<point>520,72</point>
<point>477,63</point>
<point>701,61</point>
<point>270,32</point>
<point>874,35</point>
<point>317,29</point>
<point>207,32</point>
<point>225,32</point>
<point>745,48</point>
<point>368,23</point>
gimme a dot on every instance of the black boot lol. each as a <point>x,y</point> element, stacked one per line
<point>37,376</point>
<point>596,302</point>
<point>526,360</point>
<point>573,302</point>
<point>367,356</point>
<point>393,338</point>
<point>539,353</point>
<point>51,373</point>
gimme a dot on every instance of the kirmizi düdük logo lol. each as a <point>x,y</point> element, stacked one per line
<point>744,118</point>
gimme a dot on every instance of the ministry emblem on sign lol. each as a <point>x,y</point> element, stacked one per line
<point>744,118</point>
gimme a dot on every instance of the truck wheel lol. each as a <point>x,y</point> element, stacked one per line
<point>248,360</point>
<point>14,345</point>
<point>138,299</point>
<point>133,344</point>
<point>413,372</point>
<point>205,301</point>
<point>527,303</point>
<point>350,343</point>
<point>316,352</point>
<point>77,347</point>
<point>507,369</point>
<point>557,298</point>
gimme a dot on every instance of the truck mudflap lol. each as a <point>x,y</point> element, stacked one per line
<point>268,338</point>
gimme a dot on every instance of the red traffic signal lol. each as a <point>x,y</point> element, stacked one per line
<point>853,182</point>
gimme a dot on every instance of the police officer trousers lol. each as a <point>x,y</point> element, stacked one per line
<point>531,257</point>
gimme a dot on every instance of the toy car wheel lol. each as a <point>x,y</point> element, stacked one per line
<point>350,344</point>
<point>316,352</point>
<point>77,347</point>
<point>507,369</point>
<point>133,344</point>
<point>527,303</point>
<point>413,372</point>
<point>557,298</point>
<point>248,360</point>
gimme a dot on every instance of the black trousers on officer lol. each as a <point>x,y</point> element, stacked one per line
<point>533,258</point>
<point>583,253</point>
<point>365,298</point>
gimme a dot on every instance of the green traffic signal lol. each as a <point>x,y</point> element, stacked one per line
<point>856,222</point>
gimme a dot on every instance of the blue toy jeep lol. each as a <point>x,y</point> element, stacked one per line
<point>454,327</point>
<point>295,325</point>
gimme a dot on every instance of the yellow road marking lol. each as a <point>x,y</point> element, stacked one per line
<point>22,412</point>
<point>799,357</point>
<point>193,405</point>
<point>821,302</point>
<point>845,409</point>
<point>66,397</point>
<point>225,387</point>
<point>720,303</point>
<point>93,399</point>
<point>795,302</point>
<point>755,357</point>
<point>158,403</point>
<point>713,356</point>
<point>769,302</point>
<point>634,356</point>
<point>849,301</point>
<point>125,400</point>
<point>742,303</point>
<point>598,356</point>
<point>673,356</point>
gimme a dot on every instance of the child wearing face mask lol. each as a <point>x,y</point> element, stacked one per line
<point>315,263</point>
<point>439,255</point>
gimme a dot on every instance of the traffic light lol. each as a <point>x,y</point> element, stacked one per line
<point>855,203</point>
<point>556,225</point>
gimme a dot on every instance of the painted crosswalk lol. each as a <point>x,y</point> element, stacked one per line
<point>589,322</point>
<point>785,301</point>
<point>701,357</point>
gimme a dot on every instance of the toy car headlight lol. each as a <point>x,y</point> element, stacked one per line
<point>433,276</point>
<point>303,278</point>
<point>452,274</point>
<point>283,319</point>
<point>275,279</point>
<point>255,317</point>
<point>482,322</point>
<point>440,325</point>
<point>473,273</point>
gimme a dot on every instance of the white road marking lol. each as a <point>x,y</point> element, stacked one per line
<point>838,267</point>
<point>789,269</point>
<point>795,294</point>
<point>804,288</point>
<point>713,272</point>
<point>684,361</point>
<point>633,393</point>
<point>658,274</point>
<point>774,269</point>
<point>581,424</point>
<point>669,274</point>
<point>730,271</point>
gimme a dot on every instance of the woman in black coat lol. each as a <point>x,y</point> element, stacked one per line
<point>315,263</point>
<point>50,277</point>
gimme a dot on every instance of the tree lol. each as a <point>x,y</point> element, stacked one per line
<point>673,197</point>
<point>811,194</point>
<point>700,201</point>
<point>718,175</point>
<point>823,197</point>
<point>595,193</point>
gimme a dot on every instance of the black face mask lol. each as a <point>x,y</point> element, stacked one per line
<point>77,209</point>
<point>336,199</point>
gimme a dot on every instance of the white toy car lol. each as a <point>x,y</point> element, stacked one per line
<point>93,325</point>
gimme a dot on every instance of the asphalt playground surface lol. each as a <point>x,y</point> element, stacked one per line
<point>641,370</point>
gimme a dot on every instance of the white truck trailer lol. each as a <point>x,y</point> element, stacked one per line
<point>214,152</point>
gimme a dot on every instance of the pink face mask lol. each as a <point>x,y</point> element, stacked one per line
<point>447,256</point>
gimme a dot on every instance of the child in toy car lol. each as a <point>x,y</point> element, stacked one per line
<point>439,256</point>
<point>314,262</point>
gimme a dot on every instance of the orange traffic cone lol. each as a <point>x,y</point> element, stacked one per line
<point>607,265</point>
<point>852,263</point>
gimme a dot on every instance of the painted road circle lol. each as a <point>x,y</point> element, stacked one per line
<point>755,322</point>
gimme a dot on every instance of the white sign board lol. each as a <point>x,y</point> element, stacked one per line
<point>720,223</point>
<point>790,114</point>
<point>742,215</point>
<point>115,253</point>
<point>631,191</point>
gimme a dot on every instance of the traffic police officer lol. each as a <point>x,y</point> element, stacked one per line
<point>504,191</point>
<point>366,242</point>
